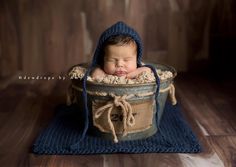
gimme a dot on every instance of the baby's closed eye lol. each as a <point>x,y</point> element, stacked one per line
<point>110,60</point>
<point>127,60</point>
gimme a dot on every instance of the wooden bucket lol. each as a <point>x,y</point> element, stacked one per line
<point>110,104</point>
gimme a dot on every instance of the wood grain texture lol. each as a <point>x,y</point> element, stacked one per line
<point>27,107</point>
<point>209,108</point>
<point>139,160</point>
<point>37,37</point>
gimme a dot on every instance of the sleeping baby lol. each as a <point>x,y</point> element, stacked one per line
<point>119,58</point>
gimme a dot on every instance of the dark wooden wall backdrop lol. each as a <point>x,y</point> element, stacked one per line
<point>37,37</point>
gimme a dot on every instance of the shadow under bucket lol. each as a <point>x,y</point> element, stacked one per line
<point>125,111</point>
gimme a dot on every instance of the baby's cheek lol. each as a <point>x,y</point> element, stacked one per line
<point>109,68</point>
<point>132,67</point>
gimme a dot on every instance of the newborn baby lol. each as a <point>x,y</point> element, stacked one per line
<point>119,54</point>
<point>119,58</point>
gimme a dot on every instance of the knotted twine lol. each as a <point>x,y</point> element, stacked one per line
<point>127,110</point>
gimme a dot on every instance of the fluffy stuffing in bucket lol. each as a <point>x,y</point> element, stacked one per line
<point>78,73</point>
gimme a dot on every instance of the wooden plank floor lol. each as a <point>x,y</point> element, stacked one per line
<point>26,107</point>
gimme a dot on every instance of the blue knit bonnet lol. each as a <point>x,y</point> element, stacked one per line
<point>119,28</point>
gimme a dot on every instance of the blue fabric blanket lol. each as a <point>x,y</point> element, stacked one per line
<point>174,136</point>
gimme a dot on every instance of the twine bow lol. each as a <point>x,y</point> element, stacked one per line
<point>118,101</point>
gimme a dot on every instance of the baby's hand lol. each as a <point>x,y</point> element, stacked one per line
<point>98,73</point>
<point>138,71</point>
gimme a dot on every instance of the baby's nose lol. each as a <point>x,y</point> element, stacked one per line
<point>120,63</point>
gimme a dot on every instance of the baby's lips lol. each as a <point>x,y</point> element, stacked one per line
<point>120,73</point>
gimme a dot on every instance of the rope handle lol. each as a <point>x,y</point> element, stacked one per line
<point>171,89</point>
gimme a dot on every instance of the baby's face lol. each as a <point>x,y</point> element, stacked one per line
<point>120,60</point>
